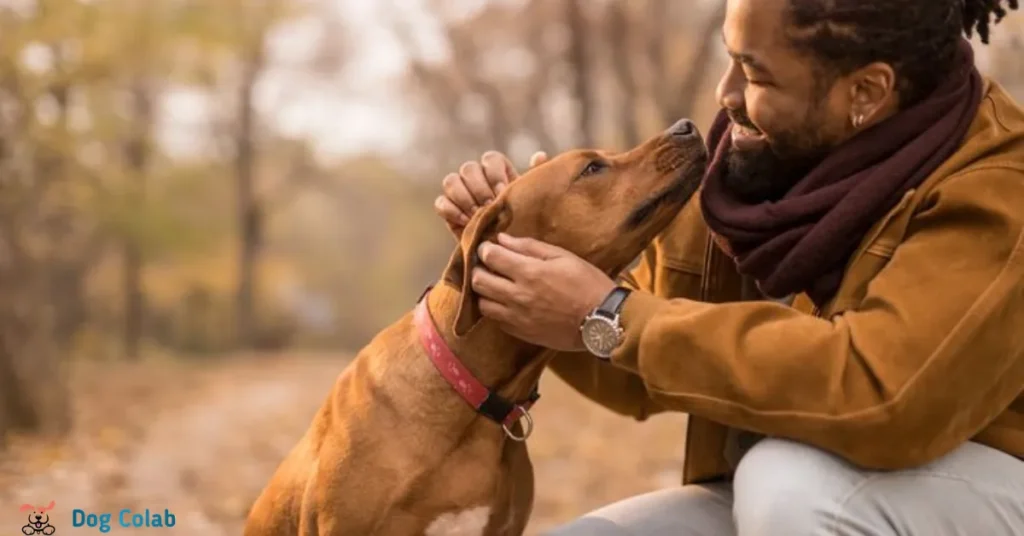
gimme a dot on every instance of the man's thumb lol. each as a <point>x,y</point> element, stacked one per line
<point>538,158</point>
<point>530,246</point>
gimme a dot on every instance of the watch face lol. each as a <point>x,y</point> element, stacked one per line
<point>600,336</point>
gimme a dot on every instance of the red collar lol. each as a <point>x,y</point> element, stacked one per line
<point>476,394</point>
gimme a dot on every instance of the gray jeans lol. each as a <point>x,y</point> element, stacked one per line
<point>782,488</point>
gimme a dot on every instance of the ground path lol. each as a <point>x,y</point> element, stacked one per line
<point>202,439</point>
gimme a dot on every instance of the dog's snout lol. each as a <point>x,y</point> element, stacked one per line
<point>683,128</point>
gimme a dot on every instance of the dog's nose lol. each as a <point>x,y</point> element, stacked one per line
<point>683,128</point>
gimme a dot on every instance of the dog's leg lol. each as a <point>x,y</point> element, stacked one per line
<point>512,520</point>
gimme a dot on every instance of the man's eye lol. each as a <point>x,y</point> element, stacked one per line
<point>755,81</point>
<point>593,168</point>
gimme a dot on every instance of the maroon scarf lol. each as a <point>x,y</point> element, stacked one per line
<point>802,242</point>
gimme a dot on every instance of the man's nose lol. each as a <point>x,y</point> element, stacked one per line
<point>729,92</point>
<point>684,128</point>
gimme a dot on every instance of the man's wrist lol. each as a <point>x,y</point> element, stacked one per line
<point>636,313</point>
<point>601,331</point>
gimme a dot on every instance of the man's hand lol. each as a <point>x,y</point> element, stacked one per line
<point>538,292</point>
<point>475,185</point>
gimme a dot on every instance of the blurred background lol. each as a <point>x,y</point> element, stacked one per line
<point>207,206</point>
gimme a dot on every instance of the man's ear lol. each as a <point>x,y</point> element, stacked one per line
<point>493,219</point>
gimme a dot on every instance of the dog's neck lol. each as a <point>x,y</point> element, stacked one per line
<point>508,366</point>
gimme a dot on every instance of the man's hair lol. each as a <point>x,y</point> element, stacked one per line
<point>918,38</point>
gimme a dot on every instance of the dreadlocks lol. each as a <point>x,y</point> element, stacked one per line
<point>977,14</point>
<point>917,37</point>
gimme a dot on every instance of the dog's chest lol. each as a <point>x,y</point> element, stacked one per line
<point>469,522</point>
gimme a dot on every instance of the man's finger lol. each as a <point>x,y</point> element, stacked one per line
<point>530,247</point>
<point>538,158</point>
<point>498,170</point>
<point>494,310</point>
<point>503,261</point>
<point>491,286</point>
<point>472,174</point>
<point>451,213</point>
<point>456,192</point>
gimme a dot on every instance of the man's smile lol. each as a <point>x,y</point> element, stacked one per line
<point>746,138</point>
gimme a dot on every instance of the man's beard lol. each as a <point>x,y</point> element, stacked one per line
<point>768,173</point>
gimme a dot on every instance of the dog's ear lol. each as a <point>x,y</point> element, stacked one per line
<point>26,507</point>
<point>485,225</point>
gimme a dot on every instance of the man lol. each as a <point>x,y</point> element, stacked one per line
<point>840,310</point>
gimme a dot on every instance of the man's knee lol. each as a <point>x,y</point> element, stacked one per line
<point>589,526</point>
<point>686,511</point>
<point>784,487</point>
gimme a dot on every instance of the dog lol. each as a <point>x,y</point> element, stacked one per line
<point>422,434</point>
<point>38,520</point>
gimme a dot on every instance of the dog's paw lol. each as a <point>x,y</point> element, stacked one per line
<point>27,530</point>
<point>49,530</point>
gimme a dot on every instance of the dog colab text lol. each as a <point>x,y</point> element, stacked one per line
<point>125,518</point>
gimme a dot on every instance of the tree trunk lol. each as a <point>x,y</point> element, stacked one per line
<point>249,214</point>
<point>134,300</point>
<point>579,61</point>
<point>137,157</point>
<point>618,30</point>
<point>48,360</point>
<point>657,31</point>
<point>18,411</point>
<point>31,348</point>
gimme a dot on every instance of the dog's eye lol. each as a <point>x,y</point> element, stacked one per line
<point>593,168</point>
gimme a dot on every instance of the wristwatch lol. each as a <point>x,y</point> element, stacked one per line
<point>601,331</point>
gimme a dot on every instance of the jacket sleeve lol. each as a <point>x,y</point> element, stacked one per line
<point>617,389</point>
<point>931,355</point>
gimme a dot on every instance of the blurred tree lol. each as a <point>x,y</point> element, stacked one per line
<point>580,63</point>
<point>555,74</point>
<point>250,216</point>
<point>43,248</point>
<point>621,37</point>
<point>369,241</point>
<point>44,68</point>
<point>153,37</point>
<point>83,179</point>
<point>682,85</point>
<point>243,29</point>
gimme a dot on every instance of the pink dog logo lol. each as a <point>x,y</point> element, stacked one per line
<point>38,520</point>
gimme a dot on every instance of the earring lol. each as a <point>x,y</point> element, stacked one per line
<point>858,120</point>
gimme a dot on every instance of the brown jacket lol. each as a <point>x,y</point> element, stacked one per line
<point>921,350</point>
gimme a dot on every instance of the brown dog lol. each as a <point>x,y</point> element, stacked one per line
<point>396,450</point>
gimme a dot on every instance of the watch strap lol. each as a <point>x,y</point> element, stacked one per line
<point>612,304</point>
